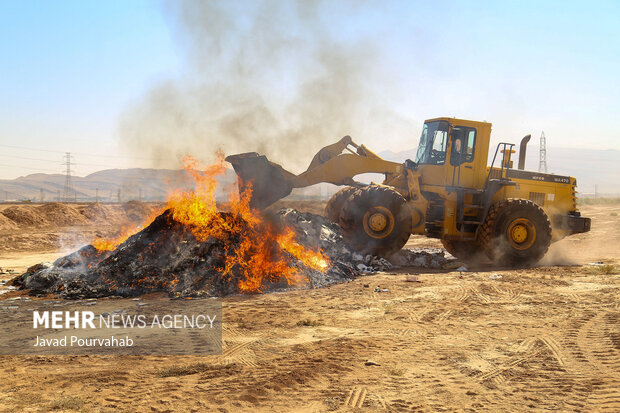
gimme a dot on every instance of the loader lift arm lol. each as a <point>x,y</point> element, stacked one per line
<point>270,182</point>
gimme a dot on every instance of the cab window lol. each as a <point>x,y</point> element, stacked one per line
<point>433,143</point>
<point>463,145</point>
<point>471,143</point>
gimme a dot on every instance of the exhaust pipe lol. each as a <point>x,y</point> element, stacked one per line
<point>522,150</point>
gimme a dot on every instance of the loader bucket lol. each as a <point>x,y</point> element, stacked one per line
<point>270,182</point>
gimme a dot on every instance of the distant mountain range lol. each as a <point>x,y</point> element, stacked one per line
<point>107,186</point>
<point>591,167</point>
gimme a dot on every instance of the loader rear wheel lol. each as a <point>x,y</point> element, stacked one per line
<point>336,202</point>
<point>463,250</point>
<point>516,232</point>
<point>376,220</point>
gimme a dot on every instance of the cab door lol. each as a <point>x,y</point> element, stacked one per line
<point>462,156</point>
<point>433,156</point>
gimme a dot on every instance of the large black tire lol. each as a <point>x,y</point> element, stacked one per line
<point>336,202</point>
<point>376,220</point>
<point>466,251</point>
<point>515,233</point>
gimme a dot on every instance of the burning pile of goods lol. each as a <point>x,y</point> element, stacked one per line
<point>165,256</point>
<point>194,249</point>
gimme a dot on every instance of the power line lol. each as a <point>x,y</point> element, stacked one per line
<point>32,169</point>
<point>53,161</point>
<point>130,177</point>
<point>56,161</point>
<point>29,159</point>
<point>29,149</point>
<point>125,157</point>
<point>89,154</point>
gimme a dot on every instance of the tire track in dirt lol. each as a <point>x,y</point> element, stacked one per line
<point>234,349</point>
<point>508,365</point>
<point>307,375</point>
<point>232,332</point>
<point>397,392</point>
<point>554,347</point>
<point>430,315</point>
<point>483,298</point>
<point>246,361</point>
<point>531,349</point>
<point>198,341</point>
<point>527,344</point>
<point>575,297</point>
<point>403,401</point>
<point>580,376</point>
<point>597,340</point>
<point>356,397</point>
<point>538,374</point>
<point>462,295</point>
<point>591,359</point>
<point>240,353</point>
<point>552,378</point>
<point>419,316</point>
<point>361,397</point>
<point>508,295</point>
<point>382,402</point>
<point>432,389</point>
<point>443,316</point>
<point>402,332</point>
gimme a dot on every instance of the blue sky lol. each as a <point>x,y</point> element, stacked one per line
<point>70,69</point>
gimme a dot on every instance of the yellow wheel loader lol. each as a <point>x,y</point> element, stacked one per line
<point>449,192</point>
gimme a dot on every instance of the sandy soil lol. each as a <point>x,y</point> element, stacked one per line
<point>61,228</point>
<point>539,339</point>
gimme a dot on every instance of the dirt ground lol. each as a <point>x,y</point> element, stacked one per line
<point>539,339</point>
<point>43,232</point>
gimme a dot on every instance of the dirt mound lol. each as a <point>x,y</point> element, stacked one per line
<point>99,213</point>
<point>61,214</point>
<point>52,214</point>
<point>137,211</point>
<point>26,216</point>
<point>6,223</point>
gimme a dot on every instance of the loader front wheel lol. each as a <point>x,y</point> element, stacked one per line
<point>336,202</point>
<point>515,233</point>
<point>376,220</point>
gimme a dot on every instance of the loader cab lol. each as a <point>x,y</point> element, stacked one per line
<point>453,152</point>
<point>433,143</point>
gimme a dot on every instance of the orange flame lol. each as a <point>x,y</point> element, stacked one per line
<point>110,244</point>
<point>260,253</point>
<point>105,244</point>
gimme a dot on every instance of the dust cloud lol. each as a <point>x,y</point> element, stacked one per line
<point>560,253</point>
<point>279,78</point>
